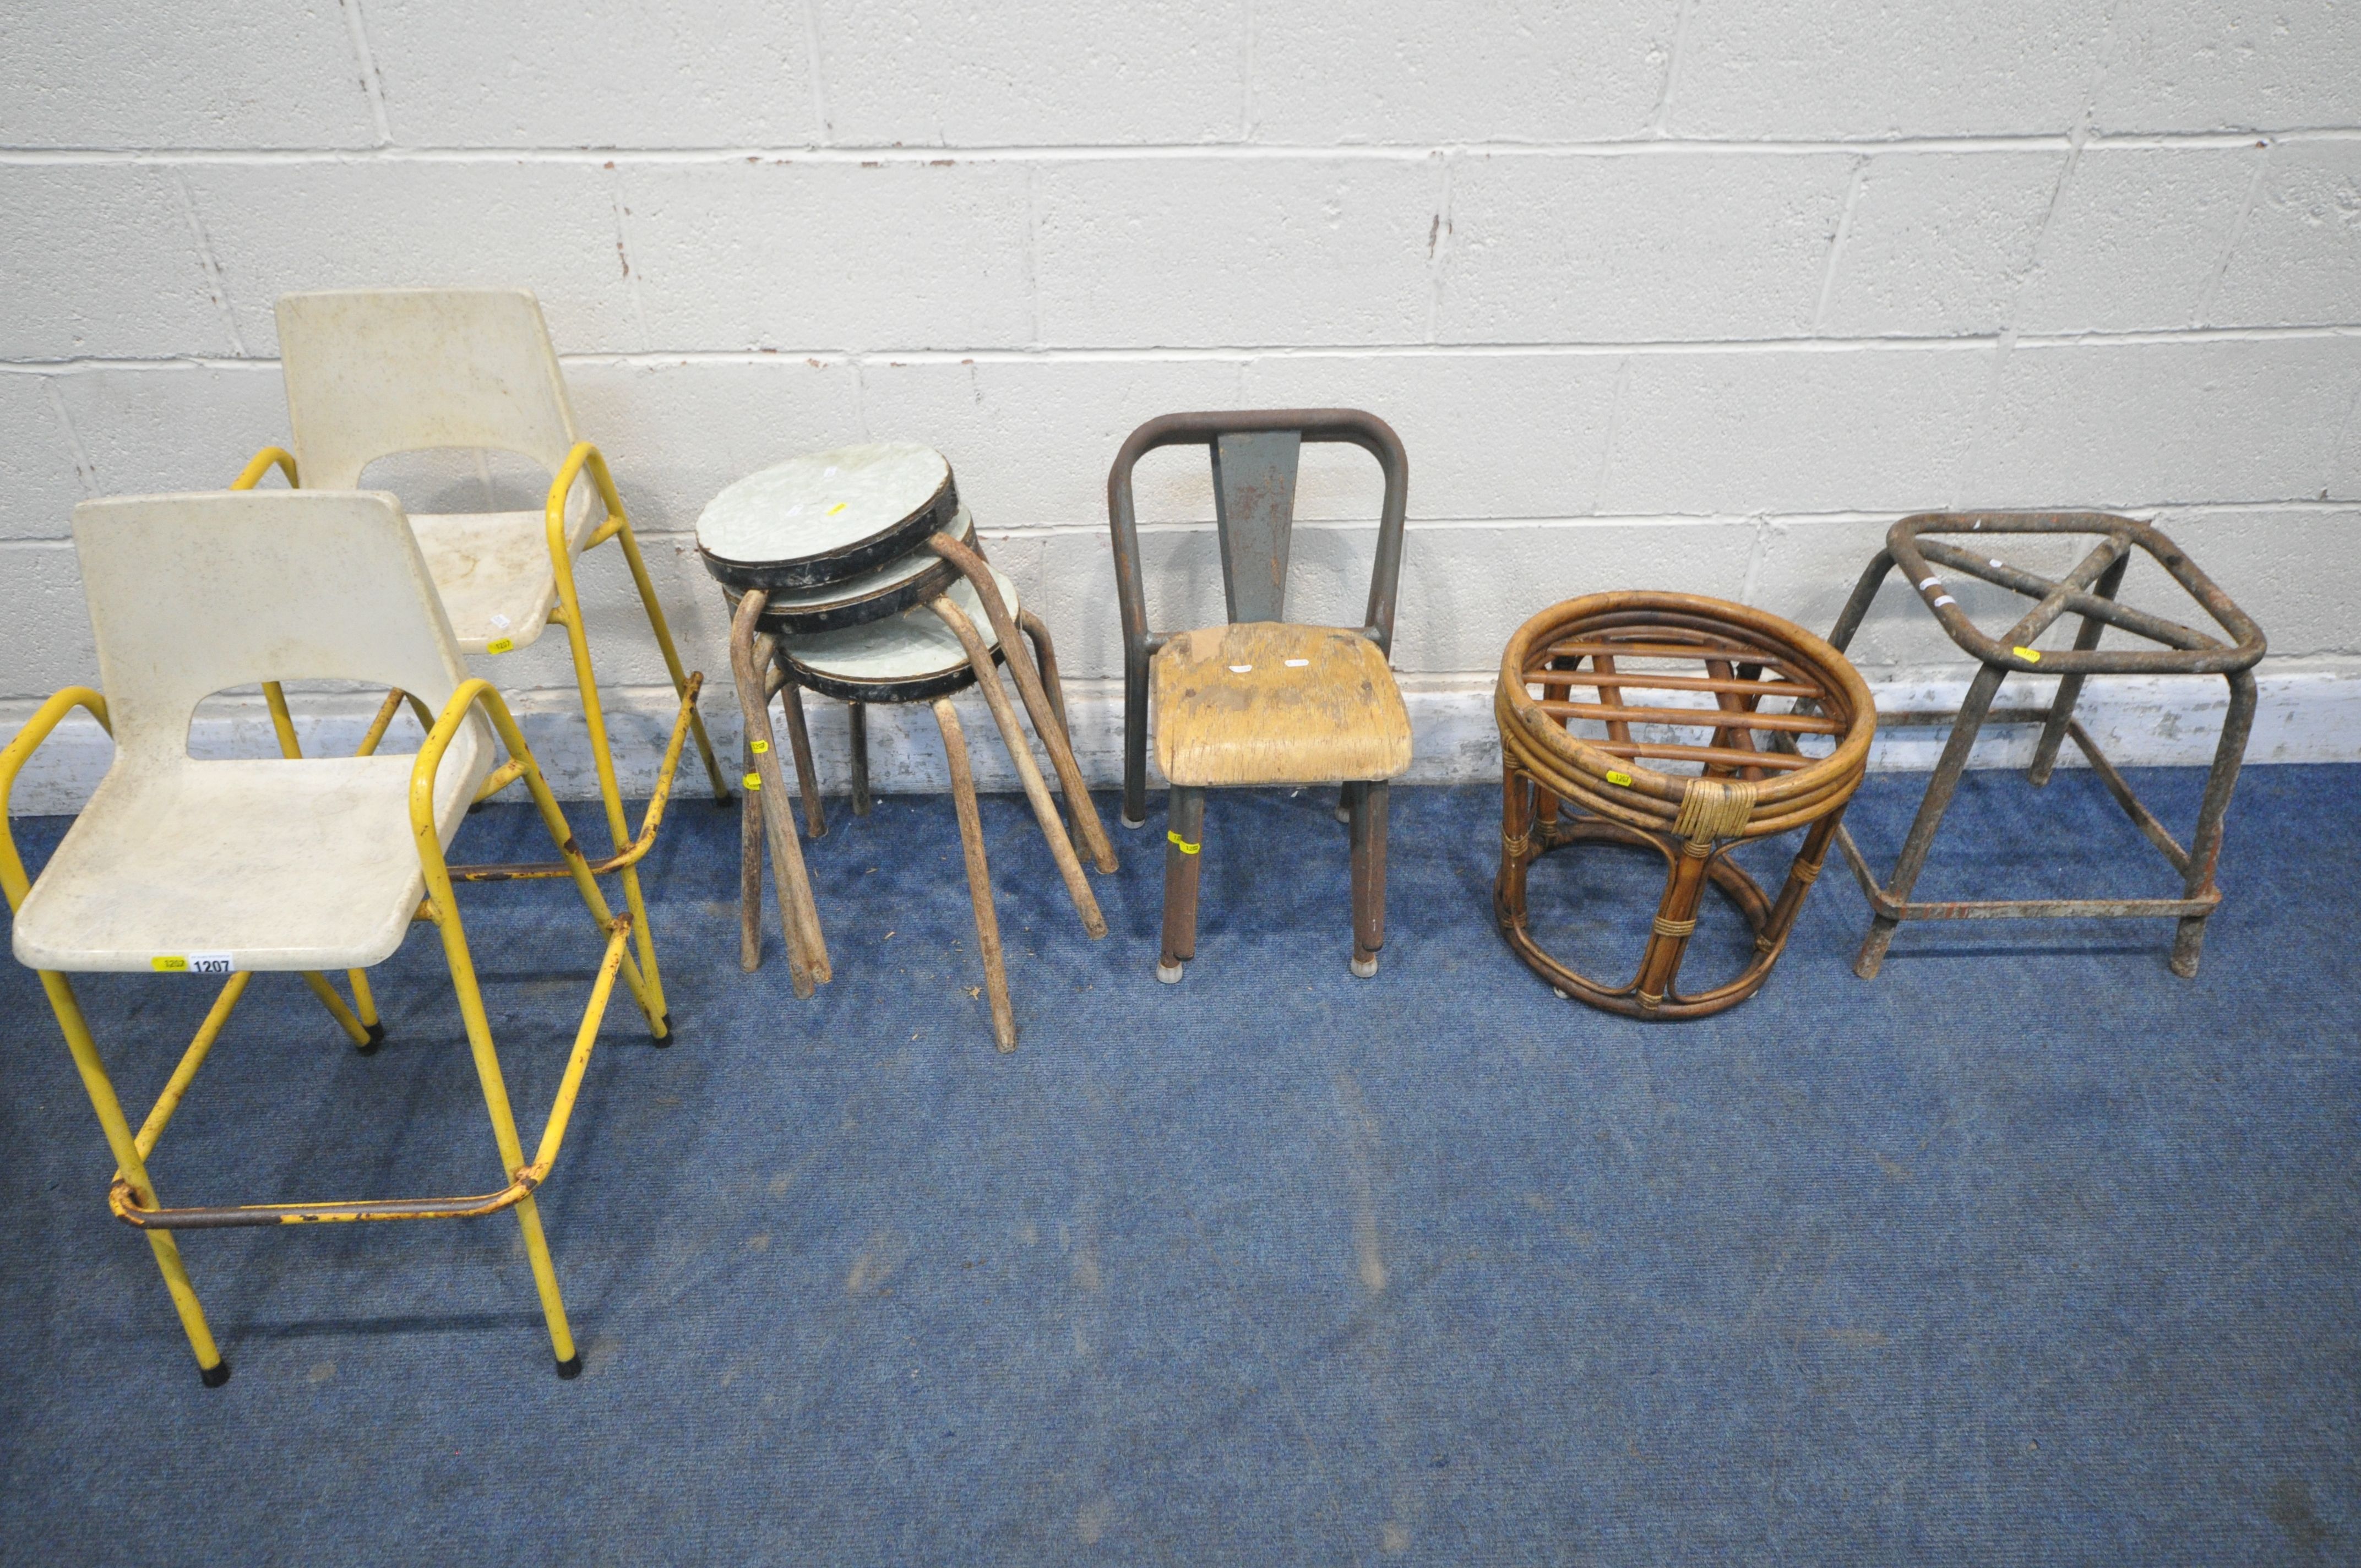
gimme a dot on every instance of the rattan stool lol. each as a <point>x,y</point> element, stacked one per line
<point>1745,789</point>
<point>2089,591</point>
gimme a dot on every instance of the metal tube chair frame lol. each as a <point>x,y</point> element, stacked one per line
<point>132,1195</point>
<point>2088,591</point>
<point>581,457</point>
<point>1254,455</point>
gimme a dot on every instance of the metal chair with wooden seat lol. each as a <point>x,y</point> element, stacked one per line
<point>378,373</point>
<point>1260,700</point>
<point>189,868</point>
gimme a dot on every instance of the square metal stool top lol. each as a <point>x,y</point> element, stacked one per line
<point>2088,591</point>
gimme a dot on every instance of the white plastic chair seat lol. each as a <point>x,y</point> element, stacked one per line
<point>493,572</point>
<point>279,865</point>
<point>492,568</point>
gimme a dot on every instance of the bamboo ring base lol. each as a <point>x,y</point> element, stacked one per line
<point>1744,893</point>
<point>1756,685</point>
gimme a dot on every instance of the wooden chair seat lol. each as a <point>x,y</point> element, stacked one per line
<point>1259,701</point>
<point>1270,703</point>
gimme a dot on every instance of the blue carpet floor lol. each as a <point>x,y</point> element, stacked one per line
<point>2024,1251</point>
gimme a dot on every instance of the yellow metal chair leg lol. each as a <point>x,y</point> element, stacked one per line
<point>363,1035</point>
<point>365,1006</point>
<point>624,536</point>
<point>610,795</point>
<point>504,1133</point>
<point>126,1149</point>
<point>471,1001</point>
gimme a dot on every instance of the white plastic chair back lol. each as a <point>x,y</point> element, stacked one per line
<point>375,372</point>
<point>193,593</point>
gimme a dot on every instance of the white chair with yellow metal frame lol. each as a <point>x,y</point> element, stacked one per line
<point>373,374</point>
<point>239,867</point>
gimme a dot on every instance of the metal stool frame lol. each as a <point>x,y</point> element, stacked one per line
<point>2088,591</point>
<point>763,666</point>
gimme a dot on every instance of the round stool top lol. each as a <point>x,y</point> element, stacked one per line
<point>827,516</point>
<point>911,579</point>
<point>1653,663</point>
<point>910,657</point>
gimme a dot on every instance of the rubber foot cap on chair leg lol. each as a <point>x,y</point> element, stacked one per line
<point>664,1024</point>
<point>1133,823</point>
<point>215,1376</point>
<point>571,1367</point>
<point>1169,973</point>
<point>376,1037</point>
<point>1366,968</point>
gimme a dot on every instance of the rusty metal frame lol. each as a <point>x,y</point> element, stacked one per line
<point>2088,591</point>
<point>762,665</point>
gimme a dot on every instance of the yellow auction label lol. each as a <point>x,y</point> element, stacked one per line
<point>1182,844</point>
<point>499,645</point>
<point>193,963</point>
<point>2030,655</point>
<point>761,747</point>
<point>753,781</point>
<point>1617,778</point>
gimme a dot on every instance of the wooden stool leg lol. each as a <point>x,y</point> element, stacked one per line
<point>1805,871</point>
<point>1545,804</point>
<point>791,697</point>
<point>1369,801</point>
<point>1045,659</point>
<point>799,915</point>
<point>1516,846</point>
<point>1046,721</point>
<point>860,717</point>
<point>1675,922</point>
<point>750,872</point>
<point>1184,816</point>
<point>1028,772</point>
<point>979,875</point>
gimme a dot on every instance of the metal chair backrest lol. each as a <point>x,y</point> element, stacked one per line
<point>193,593</point>
<point>373,373</point>
<point>1255,453</point>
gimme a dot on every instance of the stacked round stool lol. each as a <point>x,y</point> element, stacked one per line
<point>856,572</point>
<point>1754,779</point>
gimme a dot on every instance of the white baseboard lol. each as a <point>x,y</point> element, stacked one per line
<point>2309,712</point>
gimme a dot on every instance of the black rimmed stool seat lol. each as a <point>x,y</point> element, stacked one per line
<point>927,620</point>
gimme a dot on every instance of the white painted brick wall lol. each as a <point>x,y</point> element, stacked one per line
<point>1681,293</point>
<point>541,73</point>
